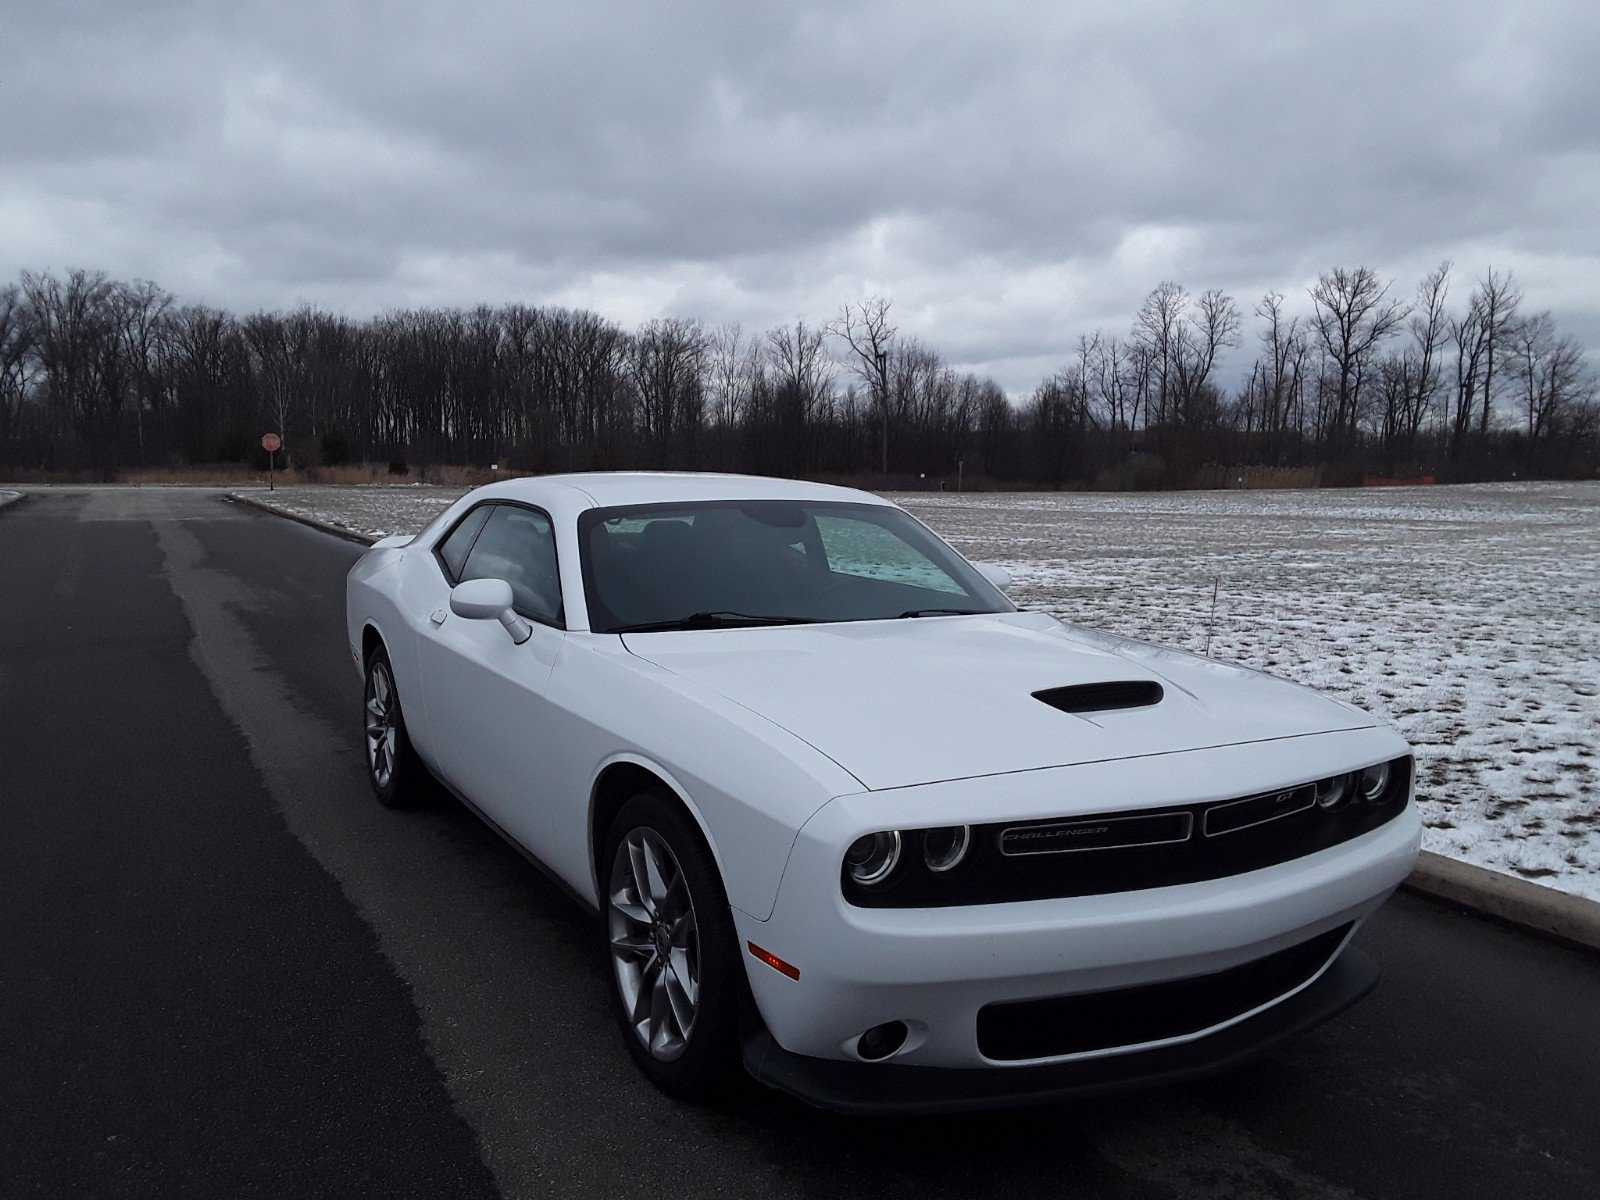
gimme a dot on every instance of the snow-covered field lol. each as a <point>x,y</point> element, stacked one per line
<point>1470,616</point>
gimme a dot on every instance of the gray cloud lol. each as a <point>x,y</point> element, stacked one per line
<point>1012,174</point>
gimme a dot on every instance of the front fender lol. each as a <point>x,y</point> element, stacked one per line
<point>748,784</point>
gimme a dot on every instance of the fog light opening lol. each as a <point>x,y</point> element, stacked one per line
<point>882,1040</point>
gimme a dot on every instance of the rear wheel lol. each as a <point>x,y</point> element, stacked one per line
<point>396,774</point>
<point>674,953</point>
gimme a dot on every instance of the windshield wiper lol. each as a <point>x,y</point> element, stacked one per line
<point>941,612</point>
<point>720,619</point>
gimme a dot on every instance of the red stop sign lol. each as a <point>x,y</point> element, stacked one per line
<point>271,442</point>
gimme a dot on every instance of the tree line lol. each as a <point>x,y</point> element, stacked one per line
<point>99,375</point>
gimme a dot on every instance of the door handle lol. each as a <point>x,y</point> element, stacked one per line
<point>437,617</point>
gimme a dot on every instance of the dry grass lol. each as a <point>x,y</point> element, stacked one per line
<point>463,477</point>
<point>367,473</point>
<point>217,474</point>
<point>1215,475</point>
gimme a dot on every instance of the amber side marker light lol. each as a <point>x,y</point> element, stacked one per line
<point>773,961</point>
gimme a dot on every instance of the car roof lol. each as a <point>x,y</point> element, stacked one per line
<point>607,488</point>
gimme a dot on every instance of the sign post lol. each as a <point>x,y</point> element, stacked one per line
<point>271,443</point>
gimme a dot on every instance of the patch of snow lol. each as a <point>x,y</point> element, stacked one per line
<point>1469,616</point>
<point>369,510</point>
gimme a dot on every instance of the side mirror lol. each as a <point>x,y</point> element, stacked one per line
<point>489,600</point>
<point>999,576</point>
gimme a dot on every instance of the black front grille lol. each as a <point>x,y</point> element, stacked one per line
<point>1061,1025</point>
<point>1130,851</point>
<point>1096,833</point>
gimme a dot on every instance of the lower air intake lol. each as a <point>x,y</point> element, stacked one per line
<point>1133,1016</point>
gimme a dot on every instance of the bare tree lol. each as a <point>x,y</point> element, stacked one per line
<point>1210,325</point>
<point>1057,418</point>
<point>795,353</point>
<point>206,354</point>
<point>869,333</point>
<point>141,310</point>
<point>1499,298</point>
<point>729,375</point>
<point>1353,317</point>
<point>1111,388</point>
<point>1470,338</point>
<point>1553,376</point>
<point>1281,370</point>
<point>1158,329</point>
<point>71,323</point>
<point>16,345</point>
<point>277,359</point>
<point>1430,330</point>
<point>668,363</point>
<point>791,398</point>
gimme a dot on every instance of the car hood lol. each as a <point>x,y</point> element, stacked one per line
<point>898,703</point>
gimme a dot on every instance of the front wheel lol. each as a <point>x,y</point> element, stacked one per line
<point>393,769</point>
<point>674,952</point>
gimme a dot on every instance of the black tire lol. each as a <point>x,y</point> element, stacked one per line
<point>404,783</point>
<point>708,1058</point>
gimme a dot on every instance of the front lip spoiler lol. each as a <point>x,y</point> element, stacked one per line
<point>874,1089</point>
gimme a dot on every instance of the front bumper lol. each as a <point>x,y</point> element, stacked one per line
<point>937,969</point>
<point>879,1089</point>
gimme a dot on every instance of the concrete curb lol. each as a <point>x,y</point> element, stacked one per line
<point>7,499</point>
<point>339,531</point>
<point>1531,907</point>
<point>1574,920</point>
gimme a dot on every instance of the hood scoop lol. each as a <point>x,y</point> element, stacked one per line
<point>1085,698</point>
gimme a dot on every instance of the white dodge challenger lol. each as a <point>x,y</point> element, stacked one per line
<point>846,814</point>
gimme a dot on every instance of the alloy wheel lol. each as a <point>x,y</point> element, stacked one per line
<point>655,943</point>
<point>382,731</point>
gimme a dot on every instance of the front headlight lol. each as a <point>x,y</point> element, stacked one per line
<point>1334,792</point>
<point>1374,783</point>
<point>944,848</point>
<point>873,858</point>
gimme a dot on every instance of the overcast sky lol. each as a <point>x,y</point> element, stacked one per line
<point>1011,175</point>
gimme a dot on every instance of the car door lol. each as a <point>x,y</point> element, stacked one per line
<point>488,697</point>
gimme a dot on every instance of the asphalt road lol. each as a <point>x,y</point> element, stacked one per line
<point>225,971</point>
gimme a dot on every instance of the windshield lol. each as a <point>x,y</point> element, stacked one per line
<point>762,562</point>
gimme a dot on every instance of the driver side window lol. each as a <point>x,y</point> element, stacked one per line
<point>519,546</point>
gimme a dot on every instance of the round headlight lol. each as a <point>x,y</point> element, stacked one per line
<point>870,859</point>
<point>1375,783</point>
<point>1332,793</point>
<point>944,848</point>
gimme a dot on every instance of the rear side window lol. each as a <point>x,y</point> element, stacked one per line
<point>453,550</point>
<point>519,546</point>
